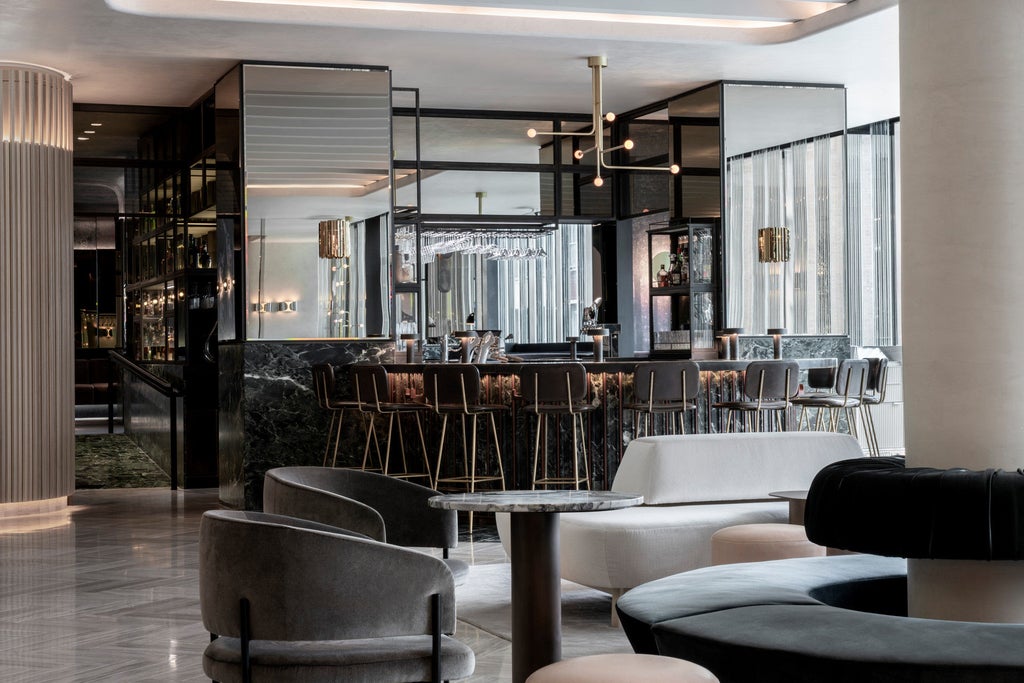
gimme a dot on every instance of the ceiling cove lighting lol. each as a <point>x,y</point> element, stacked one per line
<point>528,13</point>
<point>597,131</point>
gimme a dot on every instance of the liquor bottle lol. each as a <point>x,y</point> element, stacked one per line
<point>684,264</point>
<point>662,277</point>
<point>675,276</point>
<point>204,257</point>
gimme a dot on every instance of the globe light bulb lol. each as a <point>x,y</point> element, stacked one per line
<point>609,117</point>
<point>578,154</point>
<point>673,169</point>
<point>598,181</point>
<point>531,133</point>
<point>628,144</point>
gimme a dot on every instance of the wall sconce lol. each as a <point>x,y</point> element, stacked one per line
<point>773,245</point>
<point>334,237</point>
<point>274,306</point>
<point>597,131</point>
<point>776,333</point>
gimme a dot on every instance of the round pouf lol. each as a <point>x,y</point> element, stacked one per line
<point>622,668</point>
<point>760,542</point>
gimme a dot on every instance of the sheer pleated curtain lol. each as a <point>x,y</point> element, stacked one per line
<point>874,234</point>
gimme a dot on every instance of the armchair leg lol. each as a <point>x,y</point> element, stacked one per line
<point>435,654</point>
<point>243,615</point>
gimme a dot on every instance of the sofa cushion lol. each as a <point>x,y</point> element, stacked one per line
<point>698,468</point>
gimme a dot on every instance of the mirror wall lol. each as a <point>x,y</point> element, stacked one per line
<point>316,146</point>
<point>784,167</point>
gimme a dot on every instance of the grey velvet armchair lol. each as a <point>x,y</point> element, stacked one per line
<point>383,508</point>
<point>291,600</point>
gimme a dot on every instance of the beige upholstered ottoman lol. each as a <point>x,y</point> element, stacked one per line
<point>622,668</point>
<point>760,542</point>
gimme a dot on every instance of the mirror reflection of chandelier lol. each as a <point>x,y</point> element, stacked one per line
<point>597,131</point>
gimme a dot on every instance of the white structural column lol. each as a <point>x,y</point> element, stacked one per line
<point>962,111</point>
<point>36,350</point>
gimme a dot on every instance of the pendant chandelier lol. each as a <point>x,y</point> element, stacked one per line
<point>597,131</point>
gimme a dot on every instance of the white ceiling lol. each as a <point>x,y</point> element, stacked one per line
<point>458,60</point>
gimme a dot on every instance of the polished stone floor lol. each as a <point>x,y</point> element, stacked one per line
<point>108,591</point>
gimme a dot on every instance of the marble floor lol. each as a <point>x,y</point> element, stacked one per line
<point>108,591</point>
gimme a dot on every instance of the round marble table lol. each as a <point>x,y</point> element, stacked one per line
<point>536,577</point>
<point>797,504</point>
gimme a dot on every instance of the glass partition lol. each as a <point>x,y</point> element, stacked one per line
<point>785,168</point>
<point>317,147</point>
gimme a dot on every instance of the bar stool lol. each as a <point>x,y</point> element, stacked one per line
<point>851,381</point>
<point>324,387</point>
<point>455,390</point>
<point>820,381</point>
<point>557,389</point>
<point>874,394</point>
<point>770,386</point>
<point>373,394</point>
<point>668,388</point>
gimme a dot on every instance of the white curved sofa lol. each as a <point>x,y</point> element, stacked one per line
<point>693,485</point>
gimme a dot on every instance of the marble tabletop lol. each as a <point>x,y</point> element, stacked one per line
<point>536,501</point>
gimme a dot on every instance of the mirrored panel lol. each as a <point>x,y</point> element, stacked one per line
<point>784,155</point>
<point>317,148</point>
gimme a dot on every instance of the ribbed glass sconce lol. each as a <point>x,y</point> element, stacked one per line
<point>334,237</point>
<point>773,245</point>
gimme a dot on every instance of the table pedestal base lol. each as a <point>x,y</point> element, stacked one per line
<point>536,593</point>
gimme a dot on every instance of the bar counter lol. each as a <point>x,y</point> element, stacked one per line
<point>277,420</point>
<point>609,428</point>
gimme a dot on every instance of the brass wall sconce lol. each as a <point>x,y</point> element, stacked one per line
<point>773,245</point>
<point>333,237</point>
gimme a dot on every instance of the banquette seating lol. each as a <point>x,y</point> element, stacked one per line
<point>692,485</point>
<point>93,382</point>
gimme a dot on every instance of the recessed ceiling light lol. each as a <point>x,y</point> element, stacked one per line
<point>82,138</point>
<point>95,124</point>
<point>88,132</point>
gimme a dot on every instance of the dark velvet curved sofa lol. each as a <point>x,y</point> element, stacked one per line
<point>840,619</point>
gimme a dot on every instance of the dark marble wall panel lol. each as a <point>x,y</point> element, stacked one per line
<point>755,347</point>
<point>277,411</point>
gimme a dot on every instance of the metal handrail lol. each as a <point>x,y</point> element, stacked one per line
<point>166,389</point>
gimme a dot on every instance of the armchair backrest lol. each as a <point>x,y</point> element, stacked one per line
<point>304,581</point>
<point>383,508</point>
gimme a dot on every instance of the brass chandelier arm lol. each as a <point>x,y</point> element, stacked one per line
<point>597,131</point>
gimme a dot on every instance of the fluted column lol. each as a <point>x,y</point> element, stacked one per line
<point>36,337</point>
<point>962,96</point>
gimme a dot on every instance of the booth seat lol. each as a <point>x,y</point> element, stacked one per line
<point>693,485</point>
<point>840,619</point>
<point>93,381</point>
